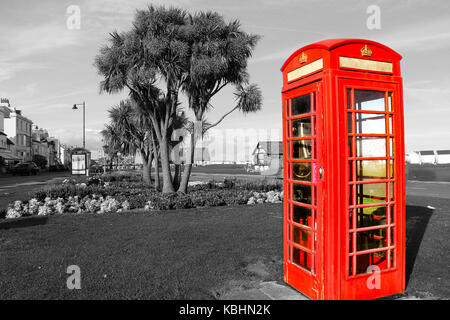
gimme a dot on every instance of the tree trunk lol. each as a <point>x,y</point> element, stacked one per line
<point>147,168</point>
<point>157,179</point>
<point>165,166</point>
<point>177,176</point>
<point>188,166</point>
<point>154,150</point>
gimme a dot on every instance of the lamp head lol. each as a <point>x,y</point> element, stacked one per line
<point>75,107</point>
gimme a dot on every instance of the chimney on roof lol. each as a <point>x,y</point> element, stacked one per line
<point>4,102</point>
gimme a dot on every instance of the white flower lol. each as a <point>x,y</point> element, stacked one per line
<point>126,205</point>
<point>43,210</point>
<point>251,201</point>
<point>18,205</point>
<point>12,214</point>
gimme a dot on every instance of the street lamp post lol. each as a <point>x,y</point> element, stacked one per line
<point>75,107</point>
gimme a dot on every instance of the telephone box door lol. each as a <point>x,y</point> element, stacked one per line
<point>372,222</point>
<point>303,188</point>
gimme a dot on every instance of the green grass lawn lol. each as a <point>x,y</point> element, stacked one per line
<point>183,254</point>
<point>186,254</point>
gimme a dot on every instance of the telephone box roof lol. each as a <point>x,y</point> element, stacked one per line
<point>331,44</point>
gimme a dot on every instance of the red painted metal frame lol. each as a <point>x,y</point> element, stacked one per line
<point>331,279</point>
<point>310,282</point>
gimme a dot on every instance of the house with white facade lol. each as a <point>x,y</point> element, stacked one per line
<point>18,129</point>
<point>7,146</point>
<point>443,156</point>
<point>266,154</point>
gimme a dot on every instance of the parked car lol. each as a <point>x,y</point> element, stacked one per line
<point>25,168</point>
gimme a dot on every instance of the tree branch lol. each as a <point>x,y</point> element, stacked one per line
<point>221,119</point>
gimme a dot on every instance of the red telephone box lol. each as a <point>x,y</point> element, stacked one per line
<point>344,176</point>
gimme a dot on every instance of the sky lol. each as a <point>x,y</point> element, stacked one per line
<point>46,67</point>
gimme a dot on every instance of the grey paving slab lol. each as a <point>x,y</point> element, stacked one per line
<point>280,292</point>
<point>265,291</point>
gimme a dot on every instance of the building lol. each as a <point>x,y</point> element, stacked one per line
<point>18,129</point>
<point>3,135</point>
<point>40,143</point>
<point>265,153</point>
<point>64,155</point>
<point>7,157</point>
<point>413,157</point>
<point>429,157</point>
<point>53,151</point>
<point>443,156</point>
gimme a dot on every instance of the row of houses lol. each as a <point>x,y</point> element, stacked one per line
<point>21,140</point>
<point>429,156</point>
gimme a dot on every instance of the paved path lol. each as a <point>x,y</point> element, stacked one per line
<point>20,187</point>
<point>270,290</point>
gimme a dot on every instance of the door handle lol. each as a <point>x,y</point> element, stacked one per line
<point>321,172</point>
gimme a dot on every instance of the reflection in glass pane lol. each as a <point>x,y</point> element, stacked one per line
<point>370,169</point>
<point>302,259</point>
<point>370,123</point>
<point>302,215</point>
<point>391,106</point>
<point>350,242</point>
<point>371,193</point>
<point>364,261</point>
<point>391,125</point>
<point>302,127</point>
<point>369,100</point>
<point>350,266</point>
<point>302,193</point>
<point>350,218</point>
<point>301,149</point>
<point>301,105</point>
<point>391,147</point>
<point>371,216</point>
<point>370,147</point>
<point>392,255</point>
<point>302,237</point>
<point>349,122</point>
<point>392,168</point>
<point>301,171</point>
<point>372,239</point>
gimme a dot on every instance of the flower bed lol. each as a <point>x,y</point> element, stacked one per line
<point>97,196</point>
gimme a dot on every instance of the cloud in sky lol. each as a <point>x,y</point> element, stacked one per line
<point>23,42</point>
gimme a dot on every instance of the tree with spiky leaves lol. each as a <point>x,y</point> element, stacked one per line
<point>200,54</point>
<point>112,143</point>
<point>133,133</point>
<point>155,52</point>
<point>219,55</point>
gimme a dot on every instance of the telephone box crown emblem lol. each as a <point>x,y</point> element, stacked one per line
<point>366,52</point>
<point>303,58</point>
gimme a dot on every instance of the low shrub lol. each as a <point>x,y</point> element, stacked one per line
<point>120,176</point>
<point>264,185</point>
<point>98,196</point>
<point>69,190</point>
